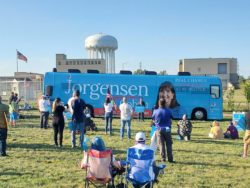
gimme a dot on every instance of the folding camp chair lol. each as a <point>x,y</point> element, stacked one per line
<point>98,170</point>
<point>139,162</point>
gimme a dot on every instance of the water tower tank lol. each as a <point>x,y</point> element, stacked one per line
<point>102,46</point>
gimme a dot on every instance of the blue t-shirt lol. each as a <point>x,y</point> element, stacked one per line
<point>78,107</point>
<point>162,118</point>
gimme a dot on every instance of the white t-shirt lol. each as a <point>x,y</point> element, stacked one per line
<point>108,107</point>
<point>126,111</point>
<point>44,105</point>
<point>70,104</point>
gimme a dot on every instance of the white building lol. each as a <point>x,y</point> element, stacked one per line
<point>83,65</point>
<point>26,84</point>
<point>225,68</point>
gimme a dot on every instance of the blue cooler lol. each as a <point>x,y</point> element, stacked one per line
<point>239,118</point>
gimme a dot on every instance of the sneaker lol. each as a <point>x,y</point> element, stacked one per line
<point>73,146</point>
<point>4,155</point>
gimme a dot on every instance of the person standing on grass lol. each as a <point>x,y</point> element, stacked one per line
<point>58,121</point>
<point>4,110</point>
<point>12,97</point>
<point>141,114</point>
<point>108,107</point>
<point>246,138</point>
<point>44,108</point>
<point>16,98</point>
<point>13,110</point>
<point>162,120</point>
<point>78,118</point>
<point>126,115</point>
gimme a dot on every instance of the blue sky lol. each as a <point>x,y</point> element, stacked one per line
<point>157,33</point>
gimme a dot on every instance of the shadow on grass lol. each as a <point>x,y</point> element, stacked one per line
<point>175,135</point>
<point>14,173</point>
<point>28,116</point>
<point>44,147</point>
<point>205,153</point>
<point>220,142</point>
<point>204,164</point>
<point>47,147</point>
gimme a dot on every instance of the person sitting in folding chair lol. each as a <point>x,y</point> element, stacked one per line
<point>141,169</point>
<point>101,167</point>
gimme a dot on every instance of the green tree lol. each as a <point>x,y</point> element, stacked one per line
<point>139,71</point>
<point>163,72</point>
<point>230,97</point>
<point>247,92</point>
<point>241,79</point>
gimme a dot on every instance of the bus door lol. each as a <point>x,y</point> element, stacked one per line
<point>215,108</point>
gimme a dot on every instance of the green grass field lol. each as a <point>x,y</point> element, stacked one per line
<point>33,161</point>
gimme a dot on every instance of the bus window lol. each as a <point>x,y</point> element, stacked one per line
<point>214,91</point>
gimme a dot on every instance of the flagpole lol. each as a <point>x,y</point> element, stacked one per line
<point>16,62</point>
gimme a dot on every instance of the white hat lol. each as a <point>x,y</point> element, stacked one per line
<point>140,137</point>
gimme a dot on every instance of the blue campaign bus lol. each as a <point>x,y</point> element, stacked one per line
<point>200,97</point>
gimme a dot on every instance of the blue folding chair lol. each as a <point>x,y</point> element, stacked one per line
<point>139,162</point>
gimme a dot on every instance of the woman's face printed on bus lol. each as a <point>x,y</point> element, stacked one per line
<point>167,94</point>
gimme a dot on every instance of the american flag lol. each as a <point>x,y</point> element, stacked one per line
<point>21,56</point>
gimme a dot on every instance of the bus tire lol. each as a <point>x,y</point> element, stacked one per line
<point>199,114</point>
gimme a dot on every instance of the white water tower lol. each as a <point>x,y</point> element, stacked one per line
<point>101,46</point>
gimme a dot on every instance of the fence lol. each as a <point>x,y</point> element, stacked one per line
<point>28,90</point>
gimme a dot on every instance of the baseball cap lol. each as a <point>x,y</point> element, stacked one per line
<point>140,137</point>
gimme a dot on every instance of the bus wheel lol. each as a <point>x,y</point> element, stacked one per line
<point>199,114</point>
